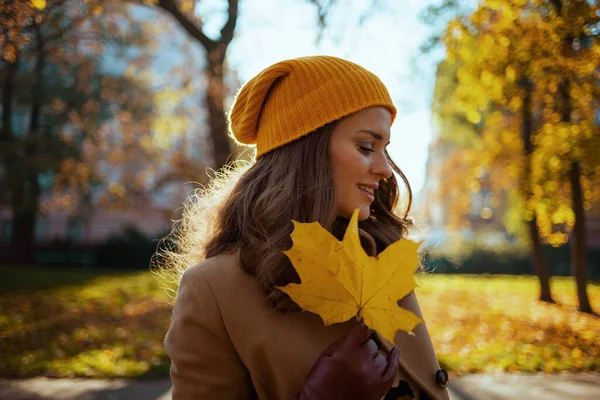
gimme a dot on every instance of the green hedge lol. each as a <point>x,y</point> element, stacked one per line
<point>133,250</point>
<point>485,261</point>
<point>130,250</point>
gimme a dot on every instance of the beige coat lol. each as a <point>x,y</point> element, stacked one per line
<point>226,343</point>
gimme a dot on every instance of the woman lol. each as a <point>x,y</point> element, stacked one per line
<point>320,126</point>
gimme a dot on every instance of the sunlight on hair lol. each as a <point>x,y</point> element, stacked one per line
<point>184,246</point>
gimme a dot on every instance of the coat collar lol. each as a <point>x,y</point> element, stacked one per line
<point>417,356</point>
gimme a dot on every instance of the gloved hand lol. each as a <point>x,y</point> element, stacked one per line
<point>351,368</point>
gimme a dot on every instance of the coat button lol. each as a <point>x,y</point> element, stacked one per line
<point>441,378</point>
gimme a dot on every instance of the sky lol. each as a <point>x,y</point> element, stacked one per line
<point>386,43</point>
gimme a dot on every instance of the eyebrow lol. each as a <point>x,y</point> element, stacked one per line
<point>372,133</point>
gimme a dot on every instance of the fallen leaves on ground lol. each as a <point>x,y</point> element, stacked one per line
<point>114,326</point>
<point>496,323</point>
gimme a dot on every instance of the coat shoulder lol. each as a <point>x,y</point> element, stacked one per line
<point>222,273</point>
<point>223,264</point>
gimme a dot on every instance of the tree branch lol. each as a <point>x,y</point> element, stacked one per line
<point>228,29</point>
<point>193,29</point>
<point>322,11</point>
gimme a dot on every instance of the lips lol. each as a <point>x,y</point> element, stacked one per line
<point>368,190</point>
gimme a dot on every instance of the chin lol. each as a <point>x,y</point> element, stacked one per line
<point>364,213</point>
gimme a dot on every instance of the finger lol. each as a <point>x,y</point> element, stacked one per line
<point>370,346</point>
<point>393,361</point>
<point>379,362</point>
<point>369,351</point>
<point>348,339</point>
<point>358,335</point>
<point>333,347</point>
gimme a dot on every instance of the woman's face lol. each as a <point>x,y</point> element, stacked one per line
<point>358,159</point>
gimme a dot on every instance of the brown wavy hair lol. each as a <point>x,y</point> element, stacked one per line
<point>253,217</point>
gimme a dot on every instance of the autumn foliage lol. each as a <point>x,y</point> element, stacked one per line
<point>526,91</point>
<point>498,50</point>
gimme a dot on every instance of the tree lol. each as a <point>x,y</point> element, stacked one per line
<point>579,16</point>
<point>55,83</point>
<point>513,74</point>
<point>478,152</point>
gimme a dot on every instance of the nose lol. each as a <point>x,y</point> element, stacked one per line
<point>381,166</point>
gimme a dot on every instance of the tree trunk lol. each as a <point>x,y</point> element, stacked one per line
<point>26,193</point>
<point>25,184</point>
<point>215,99</point>
<point>539,261</point>
<point>7,150</point>
<point>215,64</point>
<point>7,100</point>
<point>579,267</point>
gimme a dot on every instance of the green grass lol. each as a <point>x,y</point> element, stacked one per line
<point>24,279</point>
<point>65,322</point>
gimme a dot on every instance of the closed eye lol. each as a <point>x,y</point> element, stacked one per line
<point>366,150</point>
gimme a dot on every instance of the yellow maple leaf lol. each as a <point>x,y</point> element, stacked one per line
<point>340,281</point>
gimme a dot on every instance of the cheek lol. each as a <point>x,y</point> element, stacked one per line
<point>348,170</point>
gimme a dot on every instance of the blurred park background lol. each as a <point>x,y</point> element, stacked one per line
<point>113,112</point>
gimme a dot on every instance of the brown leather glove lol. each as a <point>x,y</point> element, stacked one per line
<point>351,368</point>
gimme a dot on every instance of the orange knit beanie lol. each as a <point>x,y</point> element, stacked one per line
<point>293,98</point>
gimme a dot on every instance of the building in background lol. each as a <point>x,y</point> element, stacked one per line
<point>486,206</point>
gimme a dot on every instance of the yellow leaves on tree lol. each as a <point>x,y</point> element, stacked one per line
<point>499,50</point>
<point>340,281</point>
<point>39,4</point>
